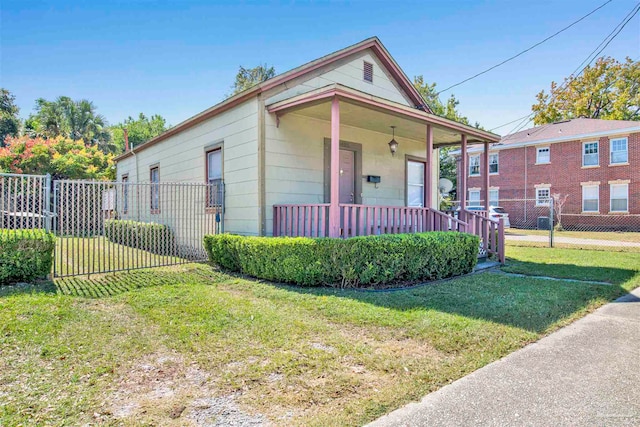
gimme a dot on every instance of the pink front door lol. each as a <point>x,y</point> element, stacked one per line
<point>347,177</point>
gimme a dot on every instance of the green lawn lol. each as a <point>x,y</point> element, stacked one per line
<point>152,347</point>
<point>618,236</point>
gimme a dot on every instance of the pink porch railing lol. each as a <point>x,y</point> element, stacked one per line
<point>491,232</point>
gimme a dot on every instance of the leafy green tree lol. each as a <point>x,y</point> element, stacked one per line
<point>140,130</point>
<point>607,90</point>
<point>77,120</point>
<point>249,77</point>
<point>62,157</point>
<point>9,120</point>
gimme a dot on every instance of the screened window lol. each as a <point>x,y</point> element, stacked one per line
<point>154,177</point>
<point>543,195</point>
<point>494,197</point>
<point>125,193</point>
<point>474,198</point>
<point>543,155</point>
<point>474,165</point>
<point>415,184</point>
<point>493,163</point>
<point>619,194</point>
<point>590,154</point>
<point>590,198</point>
<point>619,151</point>
<point>214,178</point>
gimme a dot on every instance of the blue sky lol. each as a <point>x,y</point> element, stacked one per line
<point>176,58</point>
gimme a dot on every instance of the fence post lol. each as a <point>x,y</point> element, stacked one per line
<point>551,222</point>
<point>46,209</point>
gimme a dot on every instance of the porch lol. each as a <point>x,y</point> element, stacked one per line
<point>361,167</point>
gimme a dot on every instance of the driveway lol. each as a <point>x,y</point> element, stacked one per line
<point>585,374</point>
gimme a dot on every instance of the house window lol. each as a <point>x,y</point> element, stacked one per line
<point>619,194</point>
<point>494,197</point>
<point>590,198</point>
<point>125,193</point>
<point>590,154</point>
<point>154,177</point>
<point>543,155</point>
<point>619,151</point>
<point>415,184</point>
<point>474,198</point>
<point>474,165</point>
<point>493,163</point>
<point>368,72</point>
<point>214,178</point>
<point>543,195</point>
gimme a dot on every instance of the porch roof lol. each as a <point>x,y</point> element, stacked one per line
<point>366,111</point>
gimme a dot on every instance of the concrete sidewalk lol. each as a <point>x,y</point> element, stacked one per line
<point>586,374</point>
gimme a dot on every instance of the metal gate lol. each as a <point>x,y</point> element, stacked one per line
<point>113,226</point>
<point>24,201</point>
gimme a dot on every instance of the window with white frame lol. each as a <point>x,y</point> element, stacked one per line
<point>214,177</point>
<point>474,165</point>
<point>619,195</point>
<point>619,150</point>
<point>543,195</point>
<point>474,198</point>
<point>543,155</point>
<point>125,193</point>
<point>415,183</point>
<point>590,154</point>
<point>494,197</point>
<point>590,198</point>
<point>493,163</point>
<point>154,177</point>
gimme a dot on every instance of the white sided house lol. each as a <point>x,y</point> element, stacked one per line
<point>309,152</point>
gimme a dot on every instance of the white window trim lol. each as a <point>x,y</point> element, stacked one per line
<point>497,163</point>
<point>597,186</point>
<point>478,200</point>
<point>538,162</point>
<point>497,199</point>
<point>424,170</point>
<point>611,163</point>
<point>611,185</point>
<point>542,187</point>
<point>476,156</point>
<point>584,144</point>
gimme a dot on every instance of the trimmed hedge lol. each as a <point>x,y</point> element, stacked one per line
<point>358,261</point>
<point>25,255</point>
<point>148,236</point>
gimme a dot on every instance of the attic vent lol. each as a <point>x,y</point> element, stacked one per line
<point>368,72</point>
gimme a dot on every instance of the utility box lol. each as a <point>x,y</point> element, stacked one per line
<point>544,223</point>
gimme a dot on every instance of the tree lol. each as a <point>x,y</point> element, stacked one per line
<point>559,201</point>
<point>607,90</point>
<point>140,130</point>
<point>62,157</point>
<point>77,120</point>
<point>9,120</point>
<point>249,77</point>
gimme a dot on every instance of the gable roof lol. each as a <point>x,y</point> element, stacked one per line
<point>372,43</point>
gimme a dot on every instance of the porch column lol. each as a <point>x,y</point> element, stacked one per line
<point>428,179</point>
<point>334,200</point>
<point>485,173</point>
<point>464,172</point>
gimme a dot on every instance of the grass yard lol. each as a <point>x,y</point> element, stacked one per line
<point>183,345</point>
<point>595,235</point>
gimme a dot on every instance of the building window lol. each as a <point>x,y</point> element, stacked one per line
<point>474,198</point>
<point>214,178</point>
<point>125,194</point>
<point>415,183</point>
<point>619,194</point>
<point>590,154</point>
<point>154,177</point>
<point>493,163</point>
<point>590,198</point>
<point>543,155</point>
<point>543,195</point>
<point>368,72</point>
<point>619,151</point>
<point>494,197</point>
<point>474,165</point>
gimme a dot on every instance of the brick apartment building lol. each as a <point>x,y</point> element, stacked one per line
<point>595,162</point>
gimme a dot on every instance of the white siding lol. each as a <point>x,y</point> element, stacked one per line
<point>348,72</point>
<point>182,159</point>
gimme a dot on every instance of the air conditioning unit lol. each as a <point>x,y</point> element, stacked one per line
<point>544,223</point>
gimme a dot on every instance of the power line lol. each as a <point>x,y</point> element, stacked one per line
<point>526,50</point>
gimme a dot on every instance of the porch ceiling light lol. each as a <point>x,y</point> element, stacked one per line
<point>393,144</point>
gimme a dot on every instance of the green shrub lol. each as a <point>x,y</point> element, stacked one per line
<point>25,255</point>
<point>359,261</point>
<point>148,236</point>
